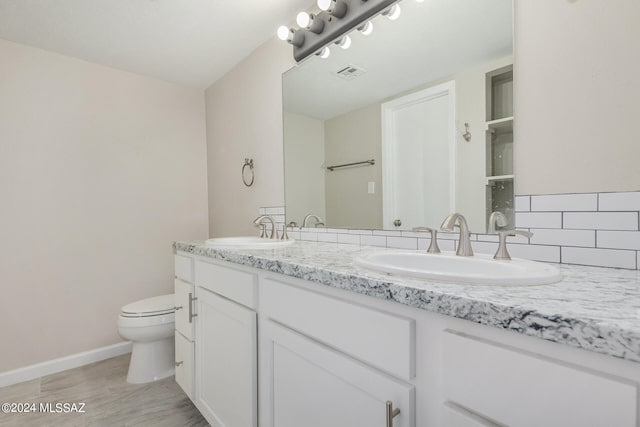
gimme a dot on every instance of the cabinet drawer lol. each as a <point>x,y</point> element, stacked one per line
<point>522,389</point>
<point>183,323</point>
<point>182,265</point>
<point>236,285</point>
<point>453,416</point>
<point>381,339</point>
<point>184,364</point>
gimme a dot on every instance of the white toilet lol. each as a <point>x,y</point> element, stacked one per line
<point>149,324</point>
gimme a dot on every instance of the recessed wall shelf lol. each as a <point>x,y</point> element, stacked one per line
<point>499,143</point>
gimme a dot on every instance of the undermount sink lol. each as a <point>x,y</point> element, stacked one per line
<point>448,267</point>
<point>249,242</point>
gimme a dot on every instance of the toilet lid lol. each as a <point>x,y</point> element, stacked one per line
<point>154,306</point>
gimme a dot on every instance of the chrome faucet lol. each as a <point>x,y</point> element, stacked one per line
<point>502,253</point>
<point>497,219</point>
<point>316,217</point>
<point>259,222</point>
<point>464,243</point>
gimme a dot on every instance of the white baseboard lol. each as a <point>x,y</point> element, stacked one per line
<point>62,364</point>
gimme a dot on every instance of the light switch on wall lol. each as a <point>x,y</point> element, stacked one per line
<point>371,187</point>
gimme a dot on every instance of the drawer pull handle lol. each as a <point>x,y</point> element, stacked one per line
<point>391,413</point>
<point>177,308</point>
<point>179,363</point>
<point>191,304</point>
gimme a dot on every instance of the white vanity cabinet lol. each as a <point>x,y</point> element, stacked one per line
<point>184,326</point>
<point>331,362</point>
<point>516,388</point>
<point>226,351</point>
<point>277,351</point>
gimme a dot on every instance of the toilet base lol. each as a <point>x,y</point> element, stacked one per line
<point>151,361</point>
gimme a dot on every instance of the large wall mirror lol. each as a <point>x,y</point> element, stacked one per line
<point>406,109</point>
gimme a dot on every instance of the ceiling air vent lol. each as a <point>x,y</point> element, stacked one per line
<point>350,72</point>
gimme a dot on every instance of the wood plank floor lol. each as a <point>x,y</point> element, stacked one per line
<point>110,400</point>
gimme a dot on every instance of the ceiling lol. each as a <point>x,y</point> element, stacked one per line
<point>189,42</point>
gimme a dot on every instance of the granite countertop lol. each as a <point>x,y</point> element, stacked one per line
<point>592,308</point>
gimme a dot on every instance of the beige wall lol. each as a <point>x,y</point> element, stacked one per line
<point>577,96</point>
<point>244,119</point>
<point>99,171</point>
<point>304,157</point>
<point>349,138</point>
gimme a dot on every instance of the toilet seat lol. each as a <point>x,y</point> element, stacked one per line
<point>150,307</point>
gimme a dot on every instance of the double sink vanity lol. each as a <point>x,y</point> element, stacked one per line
<point>288,334</point>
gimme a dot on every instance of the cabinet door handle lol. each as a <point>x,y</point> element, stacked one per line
<point>177,308</point>
<point>179,363</point>
<point>191,301</point>
<point>391,413</point>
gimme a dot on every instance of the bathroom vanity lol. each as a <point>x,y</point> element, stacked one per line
<point>300,336</point>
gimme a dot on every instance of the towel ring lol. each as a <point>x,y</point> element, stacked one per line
<point>247,178</point>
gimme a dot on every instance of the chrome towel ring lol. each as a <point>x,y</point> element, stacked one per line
<point>247,174</point>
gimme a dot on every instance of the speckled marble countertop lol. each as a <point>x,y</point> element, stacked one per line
<point>593,308</point>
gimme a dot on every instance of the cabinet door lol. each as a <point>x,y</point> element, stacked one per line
<point>315,386</point>
<point>226,359</point>
<point>184,364</point>
<point>184,324</point>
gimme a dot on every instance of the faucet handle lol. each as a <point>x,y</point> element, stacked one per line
<point>284,236</point>
<point>433,246</point>
<point>502,253</point>
<point>263,233</point>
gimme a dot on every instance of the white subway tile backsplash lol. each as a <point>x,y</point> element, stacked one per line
<point>274,210</point>
<point>336,230</point>
<point>328,237</point>
<point>402,242</point>
<point>583,238</point>
<point>373,241</point>
<point>351,239</point>
<point>625,201</point>
<point>565,202</point>
<point>535,252</point>
<point>295,235</point>
<point>396,233</point>
<point>487,238</point>
<point>488,248</point>
<point>539,219</point>
<point>444,245</point>
<point>357,231</point>
<point>600,229</point>
<point>600,220</point>
<point>600,257</point>
<point>619,239</point>
<point>448,236</point>
<point>523,203</point>
<point>308,237</point>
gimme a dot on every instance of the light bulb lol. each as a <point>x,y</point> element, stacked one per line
<point>344,42</point>
<point>283,32</point>
<point>303,20</point>
<point>393,13</point>
<point>324,4</point>
<point>324,53</point>
<point>367,28</point>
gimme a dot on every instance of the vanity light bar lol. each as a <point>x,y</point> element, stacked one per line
<point>336,19</point>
